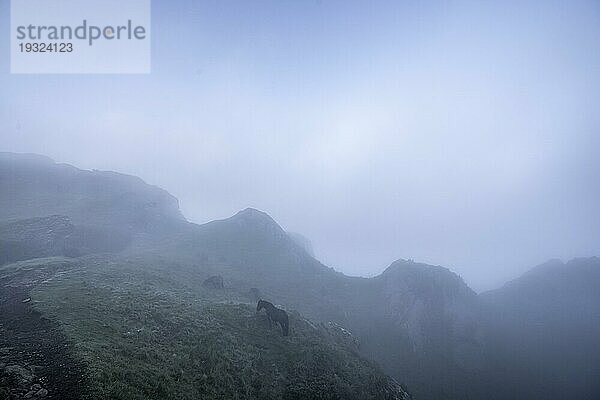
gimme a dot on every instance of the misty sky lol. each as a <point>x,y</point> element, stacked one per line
<point>465,134</point>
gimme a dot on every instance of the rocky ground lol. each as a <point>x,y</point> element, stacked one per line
<point>31,348</point>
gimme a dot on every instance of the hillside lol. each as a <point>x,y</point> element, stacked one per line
<point>420,322</point>
<point>115,274</point>
<point>35,186</point>
<point>303,242</point>
<point>139,331</point>
<point>106,298</point>
<point>55,235</point>
<point>250,250</point>
<point>544,332</point>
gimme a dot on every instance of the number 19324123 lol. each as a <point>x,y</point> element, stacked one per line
<point>46,47</point>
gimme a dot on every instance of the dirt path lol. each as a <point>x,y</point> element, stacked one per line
<point>35,358</point>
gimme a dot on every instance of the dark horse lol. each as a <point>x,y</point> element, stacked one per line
<point>275,314</point>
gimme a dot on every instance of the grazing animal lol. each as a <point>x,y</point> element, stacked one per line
<point>275,314</point>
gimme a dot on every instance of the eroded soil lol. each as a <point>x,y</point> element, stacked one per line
<point>35,358</point>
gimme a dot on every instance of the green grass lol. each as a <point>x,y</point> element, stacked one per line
<point>149,332</point>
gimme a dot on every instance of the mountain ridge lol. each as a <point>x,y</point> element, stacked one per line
<point>169,257</point>
<point>423,324</point>
<point>36,186</point>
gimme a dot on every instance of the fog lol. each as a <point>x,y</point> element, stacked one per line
<point>464,134</point>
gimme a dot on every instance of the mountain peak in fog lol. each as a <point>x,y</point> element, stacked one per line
<point>252,214</point>
<point>424,279</point>
<point>256,220</point>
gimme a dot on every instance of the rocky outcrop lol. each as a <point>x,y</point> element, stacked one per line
<point>303,242</point>
<point>214,282</point>
<point>35,358</point>
<point>55,235</point>
<point>17,382</point>
<point>35,186</point>
<point>431,304</point>
<point>421,323</point>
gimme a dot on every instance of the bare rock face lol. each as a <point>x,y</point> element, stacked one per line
<point>428,318</point>
<point>303,242</point>
<point>214,282</point>
<point>431,304</point>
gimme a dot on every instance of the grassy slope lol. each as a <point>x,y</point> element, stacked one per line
<point>249,250</point>
<point>150,332</point>
<point>415,320</point>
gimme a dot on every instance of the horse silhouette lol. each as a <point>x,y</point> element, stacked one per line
<point>275,314</point>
